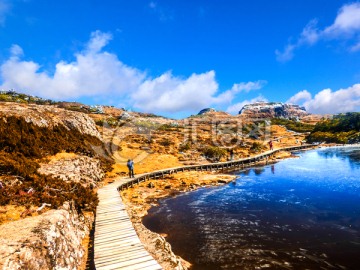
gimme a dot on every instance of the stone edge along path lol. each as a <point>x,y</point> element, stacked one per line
<point>116,244</point>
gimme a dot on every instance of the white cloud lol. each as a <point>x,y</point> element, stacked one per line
<point>230,94</point>
<point>310,34</point>
<point>98,40</point>
<point>100,75</point>
<point>347,20</point>
<point>4,10</point>
<point>172,94</point>
<point>16,51</point>
<point>327,101</point>
<point>287,54</point>
<point>346,26</point>
<point>355,47</point>
<point>235,108</point>
<point>303,95</point>
<point>249,86</point>
<point>92,73</point>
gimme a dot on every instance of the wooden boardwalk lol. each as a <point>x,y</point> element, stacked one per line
<point>224,166</point>
<point>116,244</point>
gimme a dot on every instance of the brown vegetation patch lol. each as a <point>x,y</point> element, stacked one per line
<point>22,145</point>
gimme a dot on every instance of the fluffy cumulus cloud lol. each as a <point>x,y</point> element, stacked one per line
<point>328,101</point>
<point>92,73</point>
<point>171,94</point>
<point>98,74</point>
<point>235,108</point>
<point>299,97</point>
<point>345,27</point>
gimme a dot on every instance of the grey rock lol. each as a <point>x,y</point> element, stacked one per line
<point>52,240</point>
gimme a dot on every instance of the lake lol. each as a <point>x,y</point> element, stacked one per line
<point>301,213</point>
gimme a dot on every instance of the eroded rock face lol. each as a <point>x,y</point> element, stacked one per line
<point>81,169</point>
<point>50,116</point>
<point>49,241</point>
<point>272,110</point>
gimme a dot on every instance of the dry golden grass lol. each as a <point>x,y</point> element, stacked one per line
<point>151,162</point>
<point>62,155</point>
<point>282,138</point>
<point>10,213</point>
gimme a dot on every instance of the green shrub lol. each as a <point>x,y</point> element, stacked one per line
<point>214,152</point>
<point>256,147</point>
<point>342,128</point>
<point>185,146</point>
<point>293,125</point>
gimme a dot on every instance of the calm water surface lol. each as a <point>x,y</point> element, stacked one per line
<point>300,213</point>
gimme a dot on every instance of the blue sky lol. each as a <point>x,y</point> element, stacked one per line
<point>176,57</point>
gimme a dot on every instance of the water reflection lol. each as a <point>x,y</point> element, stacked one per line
<point>306,216</point>
<point>350,154</point>
<point>259,170</point>
<point>255,170</point>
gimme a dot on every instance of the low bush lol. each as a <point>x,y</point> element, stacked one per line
<point>342,128</point>
<point>214,152</point>
<point>293,125</point>
<point>23,144</point>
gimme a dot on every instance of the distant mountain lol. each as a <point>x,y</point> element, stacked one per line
<point>273,110</point>
<point>211,113</point>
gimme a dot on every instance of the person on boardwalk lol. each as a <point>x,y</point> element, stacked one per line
<point>271,145</point>
<point>130,165</point>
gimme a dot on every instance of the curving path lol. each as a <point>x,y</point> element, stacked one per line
<point>116,244</point>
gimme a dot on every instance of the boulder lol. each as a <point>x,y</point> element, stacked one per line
<point>81,169</point>
<point>52,240</point>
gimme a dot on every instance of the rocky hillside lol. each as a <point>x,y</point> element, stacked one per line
<point>273,110</point>
<point>52,240</point>
<point>49,116</point>
<point>50,158</point>
<point>29,136</point>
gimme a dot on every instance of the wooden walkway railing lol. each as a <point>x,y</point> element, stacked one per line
<point>228,165</point>
<point>116,244</point>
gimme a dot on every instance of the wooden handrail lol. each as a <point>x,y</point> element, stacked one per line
<point>210,166</point>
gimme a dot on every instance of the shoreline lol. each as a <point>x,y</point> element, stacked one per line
<point>338,145</point>
<point>140,198</point>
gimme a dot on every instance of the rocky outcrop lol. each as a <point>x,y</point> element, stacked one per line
<point>52,240</point>
<point>81,169</point>
<point>50,116</point>
<point>273,110</point>
<point>206,110</point>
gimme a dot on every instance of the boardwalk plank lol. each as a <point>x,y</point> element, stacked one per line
<point>116,244</point>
